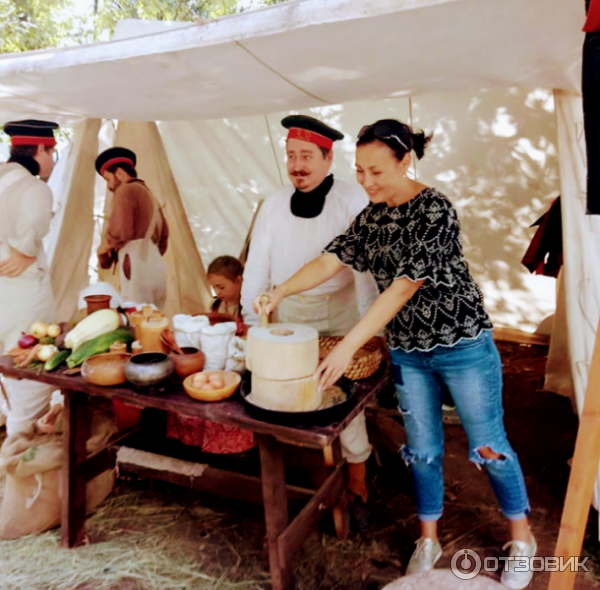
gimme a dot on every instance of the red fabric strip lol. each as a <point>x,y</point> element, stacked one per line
<point>310,136</point>
<point>27,140</point>
<point>592,23</point>
<point>114,161</point>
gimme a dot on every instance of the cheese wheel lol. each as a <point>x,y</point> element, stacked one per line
<point>282,352</point>
<point>294,395</point>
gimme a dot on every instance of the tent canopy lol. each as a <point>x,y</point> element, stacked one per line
<point>300,54</point>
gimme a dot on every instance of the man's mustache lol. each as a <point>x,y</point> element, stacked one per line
<point>300,173</point>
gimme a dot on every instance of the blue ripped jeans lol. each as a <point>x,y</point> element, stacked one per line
<point>472,371</point>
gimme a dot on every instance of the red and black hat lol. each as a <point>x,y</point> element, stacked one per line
<point>31,132</point>
<point>112,156</point>
<point>311,130</point>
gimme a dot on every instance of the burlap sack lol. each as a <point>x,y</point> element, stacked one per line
<point>32,463</point>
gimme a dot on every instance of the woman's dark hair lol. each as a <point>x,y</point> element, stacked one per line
<point>227,266</point>
<point>127,168</point>
<point>399,137</point>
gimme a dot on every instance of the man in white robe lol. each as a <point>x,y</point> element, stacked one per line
<point>291,229</point>
<point>25,289</point>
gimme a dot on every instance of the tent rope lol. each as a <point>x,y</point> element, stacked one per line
<point>260,61</point>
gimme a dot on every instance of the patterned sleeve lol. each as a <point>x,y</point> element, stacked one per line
<point>349,247</point>
<point>431,247</point>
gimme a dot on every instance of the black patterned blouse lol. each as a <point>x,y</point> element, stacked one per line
<point>418,240</point>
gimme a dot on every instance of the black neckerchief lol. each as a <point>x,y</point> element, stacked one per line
<point>27,162</point>
<point>310,204</point>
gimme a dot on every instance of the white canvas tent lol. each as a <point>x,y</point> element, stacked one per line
<point>218,91</point>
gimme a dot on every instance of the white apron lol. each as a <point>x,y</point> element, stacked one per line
<point>23,300</point>
<point>148,278</point>
<point>332,314</point>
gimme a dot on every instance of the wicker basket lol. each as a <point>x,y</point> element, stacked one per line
<point>366,359</point>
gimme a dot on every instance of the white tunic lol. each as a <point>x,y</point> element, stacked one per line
<point>25,214</point>
<point>283,243</point>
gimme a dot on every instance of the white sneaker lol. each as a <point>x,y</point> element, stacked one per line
<point>516,580</point>
<point>425,556</point>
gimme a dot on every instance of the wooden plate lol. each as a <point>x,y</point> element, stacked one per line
<point>232,382</point>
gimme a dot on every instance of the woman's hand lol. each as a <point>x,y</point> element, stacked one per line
<point>275,298</point>
<point>334,366</point>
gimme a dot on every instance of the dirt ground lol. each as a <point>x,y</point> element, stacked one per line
<point>228,545</point>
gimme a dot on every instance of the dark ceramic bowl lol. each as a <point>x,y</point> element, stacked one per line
<point>149,370</point>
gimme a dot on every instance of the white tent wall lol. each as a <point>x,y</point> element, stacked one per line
<point>494,153</point>
<point>581,247</point>
<point>69,242</point>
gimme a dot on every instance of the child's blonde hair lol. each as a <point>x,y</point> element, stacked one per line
<point>226,266</point>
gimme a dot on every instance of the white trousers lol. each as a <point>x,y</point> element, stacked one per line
<point>333,314</point>
<point>24,300</point>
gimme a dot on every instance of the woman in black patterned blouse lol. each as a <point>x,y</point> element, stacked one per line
<point>437,330</point>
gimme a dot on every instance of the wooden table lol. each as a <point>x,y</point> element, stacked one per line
<point>284,537</point>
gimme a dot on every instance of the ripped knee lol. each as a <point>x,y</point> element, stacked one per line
<point>486,456</point>
<point>488,453</point>
<point>410,457</point>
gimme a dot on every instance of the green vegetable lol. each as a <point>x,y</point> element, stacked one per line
<point>99,345</point>
<point>96,324</point>
<point>58,359</point>
<point>47,340</point>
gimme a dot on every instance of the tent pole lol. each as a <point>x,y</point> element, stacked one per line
<point>581,480</point>
<point>244,253</point>
<point>274,154</point>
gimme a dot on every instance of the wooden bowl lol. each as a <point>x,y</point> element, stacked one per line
<point>192,361</point>
<point>232,382</point>
<point>105,369</point>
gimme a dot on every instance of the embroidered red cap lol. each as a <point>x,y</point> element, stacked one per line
<point>312,130</point>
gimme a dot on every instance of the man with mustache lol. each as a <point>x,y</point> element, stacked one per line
<point>291,229</point>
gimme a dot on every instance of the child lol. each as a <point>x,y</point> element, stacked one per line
<point>225,277</point>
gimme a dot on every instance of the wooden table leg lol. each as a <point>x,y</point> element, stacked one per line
<point>76,430</point>
<point>276,508</point>
<point>332,456</point>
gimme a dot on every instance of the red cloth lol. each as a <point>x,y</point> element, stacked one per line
<point>544,255</point>
<point>211,437</point>
<point>592,23</point>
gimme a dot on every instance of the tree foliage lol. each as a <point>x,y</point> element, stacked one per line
<point>33,24</point>
<point>39,24</point>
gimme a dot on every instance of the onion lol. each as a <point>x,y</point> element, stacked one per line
<point>54,330</point>
<point>39,329</point>
<point>27,341</point>
<point>46,352</point>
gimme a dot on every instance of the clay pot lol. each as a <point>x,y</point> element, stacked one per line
<point>191,361</point>
<point>96,302</point>
<point>149,370</point>
<point>105,369</point>
<point>150,335</point>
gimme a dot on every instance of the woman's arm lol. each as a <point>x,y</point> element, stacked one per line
<point>380,314</point>
<point>316,272</point>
